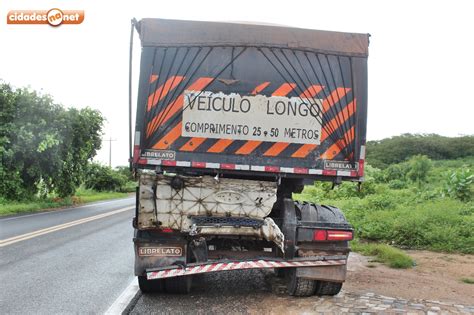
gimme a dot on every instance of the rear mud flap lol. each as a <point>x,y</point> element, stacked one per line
<point>153,255</point>
<point>335,273</point>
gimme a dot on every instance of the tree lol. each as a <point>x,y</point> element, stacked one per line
<point>104,178</point>
<point>80,146</point>
<point>397,149</point>
<point>41,141</point>
<point>125,170</point>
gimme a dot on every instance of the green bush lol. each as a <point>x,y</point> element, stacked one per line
<point>374,173</point>
<point>104,178</point>
<point>376,226</point>
<point>397,184</point>
<point>395,172</point>
<point>380,202</point>
<point>404,214</point>
<point>459,184</point>
<point>419,167</point>
<point>125,170</point>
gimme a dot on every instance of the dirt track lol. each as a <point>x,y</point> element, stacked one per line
<point>436,276</point>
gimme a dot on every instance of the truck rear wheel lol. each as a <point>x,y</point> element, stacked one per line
<point>299,286</point>
<point>150,286</point>
<point>178,285</point>
<point>328,288</point>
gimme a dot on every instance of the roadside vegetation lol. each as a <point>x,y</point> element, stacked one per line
<point>46,154</point>
<point>468,280</point>
<point>8,207</point>
<point>415,202</point>
<point>383,253</point>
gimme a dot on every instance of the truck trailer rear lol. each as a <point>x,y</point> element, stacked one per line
<point>231,120</point>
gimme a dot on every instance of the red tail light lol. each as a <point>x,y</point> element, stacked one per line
<point>167,230</point>
<point>332,235</point>
<point>320,235</point>
<point>339,235</point>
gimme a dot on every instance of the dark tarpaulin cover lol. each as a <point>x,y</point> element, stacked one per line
<point>162,32</point>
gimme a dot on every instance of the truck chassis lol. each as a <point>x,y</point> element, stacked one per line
<point>308,244</point>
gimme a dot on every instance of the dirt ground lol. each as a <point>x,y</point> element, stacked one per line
<point>433,286</point>
<point>436,276</point>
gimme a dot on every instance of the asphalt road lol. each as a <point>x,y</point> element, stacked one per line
<point>81,268</point>
<point>229,292</point>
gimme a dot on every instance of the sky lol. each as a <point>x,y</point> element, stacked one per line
<point>421,62</point>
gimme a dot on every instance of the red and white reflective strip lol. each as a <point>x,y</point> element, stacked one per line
<point>361,161</point>
<point>255,264</point>
<point>136,148</point>
<point>255,168</point>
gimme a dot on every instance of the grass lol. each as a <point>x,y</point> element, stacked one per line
<point>406,215</point>
<point>383,253</point>
<point>467,280</point>
<point>87,195</point>
<point>82,196</point>
<point>400,218</point>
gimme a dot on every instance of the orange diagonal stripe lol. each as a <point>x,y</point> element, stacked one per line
<point>169,138</point>
<point>260,88</point>
<point>248,147</point>
<point>337,147</point>
<point>304,150</point>
<point>163,90</point>
<point>175,107</point>
<point>311,91</point>
<point>334,97</point>
<point>192,144</point>
<point>342,116</point>
<point>284,89</point>
<point>220,146</point>
<point>278,147</point>
<point>153,78</point>
<point>337,121</point>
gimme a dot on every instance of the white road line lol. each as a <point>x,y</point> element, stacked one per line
<point>124,299</point>
<point>23,237</point>
<point>67,209</point>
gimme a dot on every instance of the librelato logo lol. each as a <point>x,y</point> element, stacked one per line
<point>53,17</point>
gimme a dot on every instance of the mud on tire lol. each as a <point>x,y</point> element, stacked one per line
<point>327,288</point>
<point>299,286</point>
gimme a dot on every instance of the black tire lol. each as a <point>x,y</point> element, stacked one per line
<point>178,285</point>
<point>150,286</point>
<point>299,286</point>
<point>328,288</point>
<point>280,272</point>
